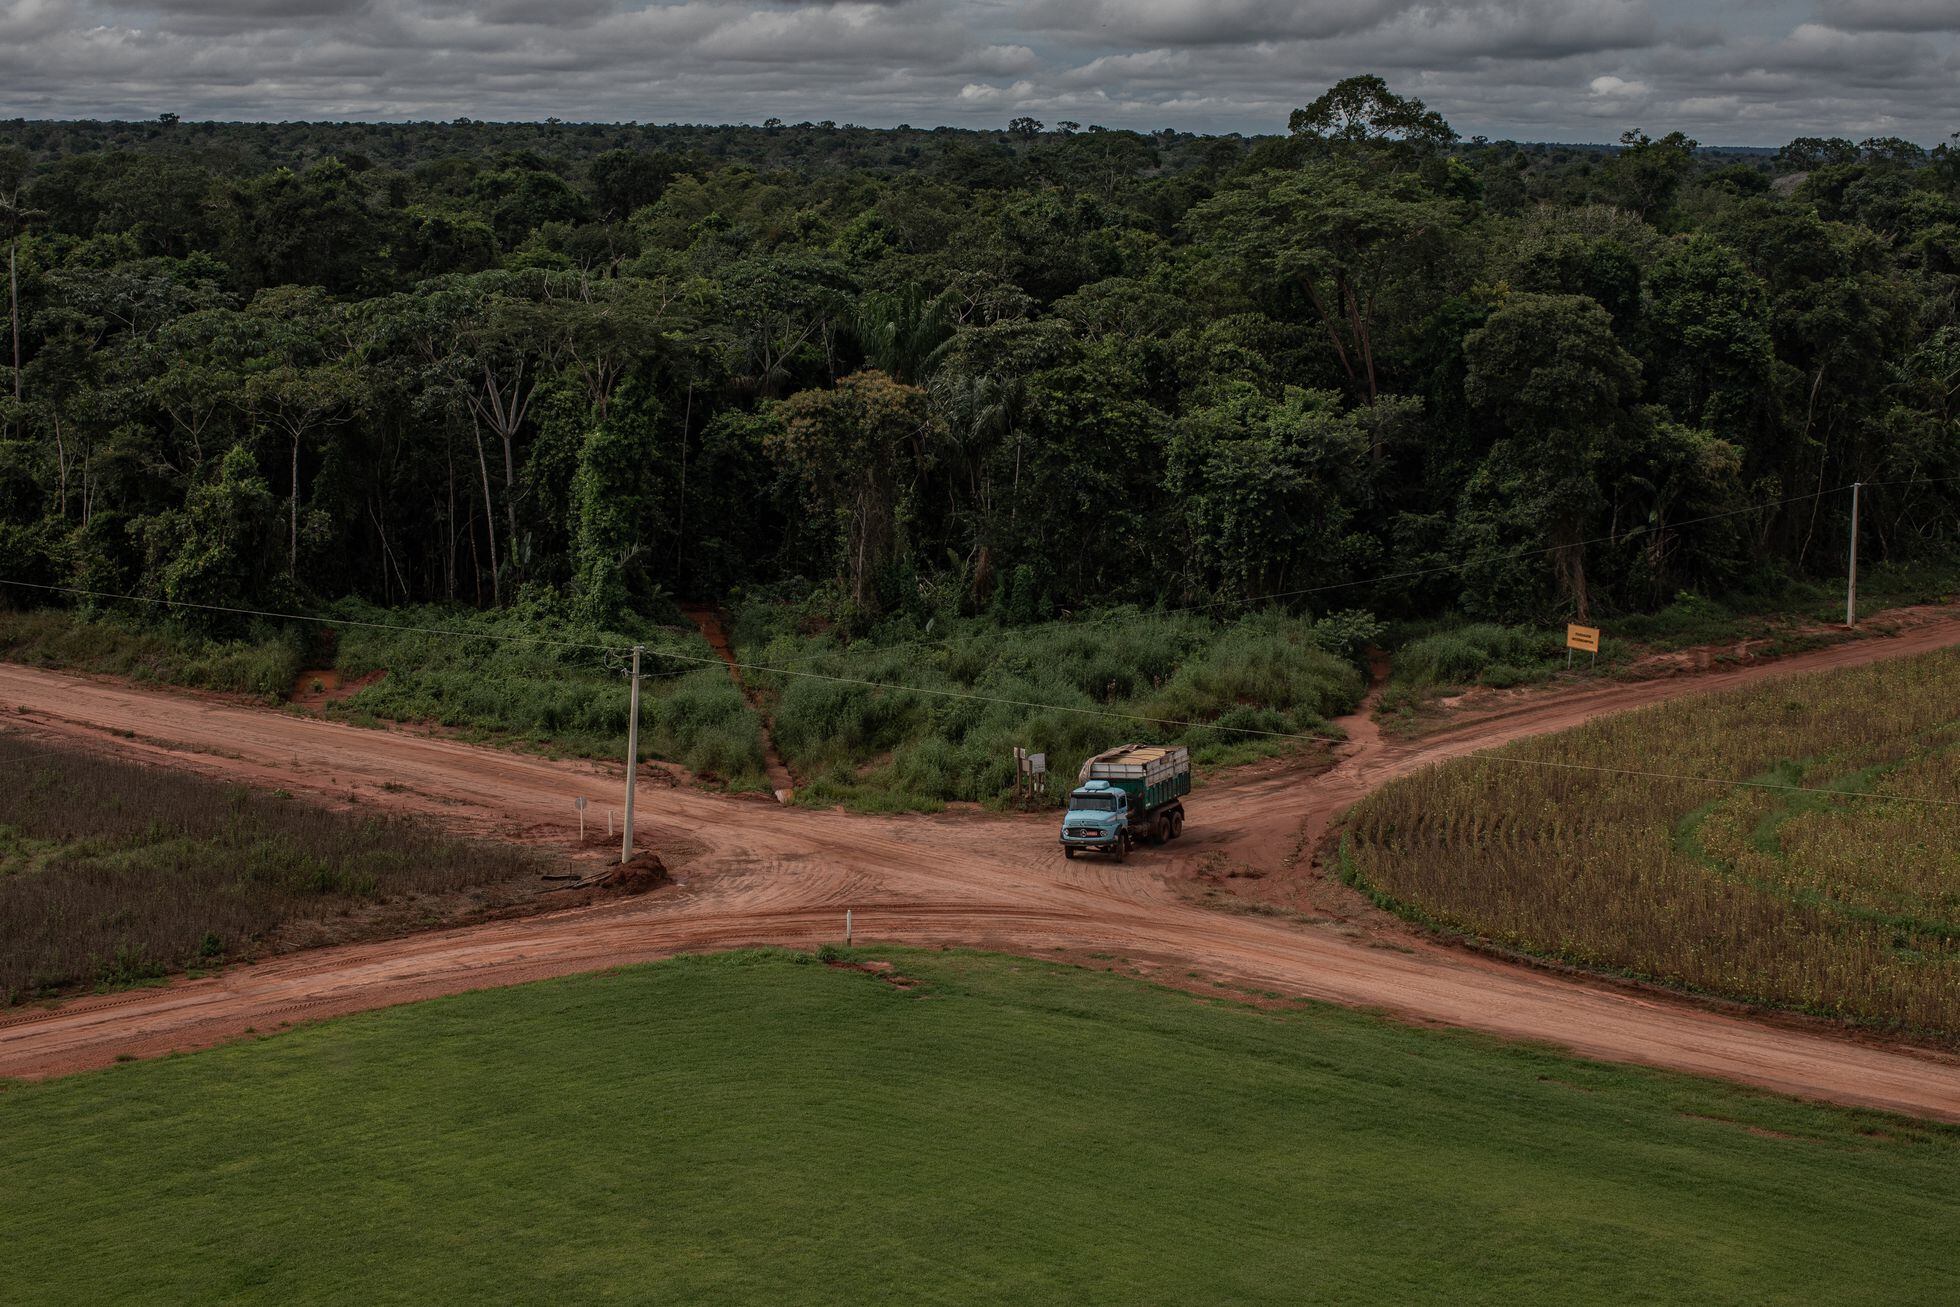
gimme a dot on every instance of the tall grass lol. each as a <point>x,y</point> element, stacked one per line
<point>1848,907</point>
<point>1437,654</point>
<point>1066,689</point>
<point>493,677</point>
<point>1481,654</point>
<point>262,663</point>
<point>482,673</point>
<point>113,872</point>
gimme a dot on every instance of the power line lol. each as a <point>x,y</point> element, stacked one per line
<point>785,670</point>
<point>704,660</point>
<point>324,621</point>
<point>971,696</point>
<point>1916,481</point>
<point>1312,737</point>
<point>1411,574</point>
<point>950,640</point>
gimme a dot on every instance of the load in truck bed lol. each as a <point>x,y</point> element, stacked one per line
<point>1157,773</point>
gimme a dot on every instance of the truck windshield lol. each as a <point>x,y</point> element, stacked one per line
<point>1094,803</point>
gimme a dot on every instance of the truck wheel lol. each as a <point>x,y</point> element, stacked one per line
<point>1121,848</point>
<point>1177,824</point>
<point>1069,854</point>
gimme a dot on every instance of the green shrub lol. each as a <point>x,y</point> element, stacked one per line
<point>1065,688</point>
<point>264,663</point>
<point>1482,653</point>
<point>473,675</point>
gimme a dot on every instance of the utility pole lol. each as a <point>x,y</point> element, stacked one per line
<point>1851,583</point>
<point>632,758</point>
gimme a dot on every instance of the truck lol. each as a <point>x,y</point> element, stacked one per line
<point>1126,796</point>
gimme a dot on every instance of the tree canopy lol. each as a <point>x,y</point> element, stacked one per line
<point>606,366</point>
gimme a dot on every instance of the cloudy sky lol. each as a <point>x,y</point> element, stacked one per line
<point>1753,72</point>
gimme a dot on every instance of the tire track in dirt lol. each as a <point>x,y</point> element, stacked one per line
<point>755,873</point>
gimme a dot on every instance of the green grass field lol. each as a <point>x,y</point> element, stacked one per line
<point>762,1128</point>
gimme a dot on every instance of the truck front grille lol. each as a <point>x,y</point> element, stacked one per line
<point>1084,833</point>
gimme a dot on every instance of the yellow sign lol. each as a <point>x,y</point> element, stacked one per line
<point>1583,638</point>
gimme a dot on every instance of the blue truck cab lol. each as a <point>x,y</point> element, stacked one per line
<point>1127,796</point>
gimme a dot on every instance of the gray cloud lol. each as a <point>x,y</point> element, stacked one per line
<point>1892,15</point>
<point>1756,72</point>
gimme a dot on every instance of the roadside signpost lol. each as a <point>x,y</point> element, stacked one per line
<point>1030,773</point>
<point>1584,638</point>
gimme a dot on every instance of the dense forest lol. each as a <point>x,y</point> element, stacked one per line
<point>598,368</point>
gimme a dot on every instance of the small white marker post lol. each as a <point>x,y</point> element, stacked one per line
<point>847,927</point>
<point>579,803</point>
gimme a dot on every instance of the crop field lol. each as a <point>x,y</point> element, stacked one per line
<point>878,748</point>
<point>113,873</point>
<point>963,1129</point>
<point>1843,906</point>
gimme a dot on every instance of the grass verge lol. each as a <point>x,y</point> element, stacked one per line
<point>1446,655</point>
<point>262,663</point>
<point>522,677</point>
<point>529,678</point>
<point>762,1128</point>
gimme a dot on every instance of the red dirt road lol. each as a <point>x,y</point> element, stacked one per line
<point>755,873</point>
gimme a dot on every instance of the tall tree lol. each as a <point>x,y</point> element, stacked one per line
<point>1349,239</point>
<point>1548,373</point>
<point>1361,113</point>
<point>858,451</point>
<point>15,215</point>
<point>304,380</point>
